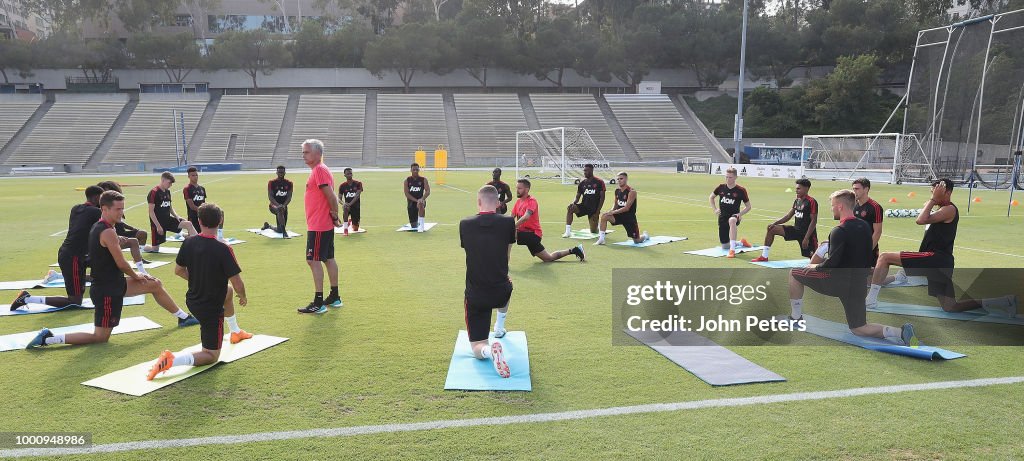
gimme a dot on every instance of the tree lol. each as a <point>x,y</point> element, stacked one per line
<point>479,45</point>
<point>380,14</point>
<point>16,56</point>
<point>65,15</point>
<point>311,46</point>
<point>557,47</point>
<point>177,55</point>
<point>252,51</point>
<point>409,49</point>
<point>845,100</point>
<point>773,48</point>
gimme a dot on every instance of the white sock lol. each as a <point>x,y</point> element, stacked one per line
<point>991,305</point>
<point>873,293</point>
<point>764,252</point>
<point>220,233</point>
<point>140,266</point>
<point>55,339</point>
<point>233,323</point>
<point>486,352</point>
<point>500,323</point>
<point>183,359</point>
<point>181,314</point>
<point>568,228</point>
<point>797,307</point>
<point>732,244</point>
<point>602,234</point>
<point>420,221</point>
<point>892,333</point>
<point>36,300</point>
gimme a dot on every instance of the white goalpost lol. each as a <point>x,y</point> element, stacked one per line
<point>887,157</point>
<point>558,153</point>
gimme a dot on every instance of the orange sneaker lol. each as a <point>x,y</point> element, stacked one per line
<point>732,254</point>
<point>162,364</point>
<point>759,259</point>
<point>745,243</point>
<point>242,335</point>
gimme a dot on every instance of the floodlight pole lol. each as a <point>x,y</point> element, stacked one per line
<point>738,128</point>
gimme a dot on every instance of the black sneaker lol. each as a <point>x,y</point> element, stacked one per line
<point>19,301</point>
<point>333,301</point>
<point>188,321</point>
<point>313,309</point>
<point>266,226</point>
<point>146,261</point>
<point>578,251</point>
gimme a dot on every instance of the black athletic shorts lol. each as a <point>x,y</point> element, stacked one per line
<point>531,241</point>
<point>792,233</point>
<point>583,210</point>
<point>850,293</point>
<point>72,266</point>
<point>478,312</point>
<point>211,327</point>
<point>414,213</point>
<point>169,225</point>
<point>320,245</point>
<point>938,267</point>
<point>629,224</point>
<point>723,228</point>
<point>193,217</point>
<point>354,214</point>
<point>108,302</point>
<point>126,231</point>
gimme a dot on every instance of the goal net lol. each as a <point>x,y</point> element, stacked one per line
<point>559,154</point>
<point>885,157</point>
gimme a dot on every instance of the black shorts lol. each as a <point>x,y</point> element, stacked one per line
<point>937,267</point>
<point>723,228</point>
<point>211,327</point>
<point>629,224</point>
<point>354,214</point>
<point>791,233</point>
<point>583,209</point>
<point>502,208</point>
<point>414,213</point>
<point>126,231</point>
<point>274,211</point>
<point>320,245</point>
<point>169,225</point>
<point>193,217</point>
<point>531,241</point>
<point>72,266</point>
<point>478,313</point>
<point>850,292</point>
<point>108,302</point>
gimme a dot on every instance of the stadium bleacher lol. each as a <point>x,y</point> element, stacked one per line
<point>335,119</point>
<point>256,123</point>
<point>150,132</point>
<point>407,122</point>
<point>488,123</point>
<point>13,116</point>
<point>577,110</point>
<point>654,127</point>
<point>70,131</point>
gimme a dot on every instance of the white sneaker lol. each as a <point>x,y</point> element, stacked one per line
<point>1011,308</point>
<point>420,229</point>
<point>499,332</point>
<point>901,277</point>
<point>567,235</point>
<point>868,304</point>
<point>645,237</point>
<point>52,276</point>
<point>498,360</point>
<point>600,241</point>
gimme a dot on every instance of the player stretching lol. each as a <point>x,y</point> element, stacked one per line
<point>279,191</point>
<point>349,193</point>
<point>109,286</point>
<point>162,217</point>
<point>841,274</point>
<point>527,215</point>
<point>416,189</point>
<point>589,201</point>
<point>934,258</point>
<point>209,266</point>
<point>624,212</point>
<point>728,210</point>
<point>504,191</point>
<point>487,239</point>
<point>804,228</point>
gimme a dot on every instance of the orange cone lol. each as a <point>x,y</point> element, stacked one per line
<point>1014,203</point>
<point>892,200</point>
<point>977,199</point>
<point>912,195</point>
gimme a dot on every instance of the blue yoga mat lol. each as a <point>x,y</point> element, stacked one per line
<point>43,308</point>
<point>787,264</point>
<point>718,252</point>
<point>840,332</point>
<point>469,373</point>
<point>655,240</point>
<point>708,361</point>
<point>976,315</point>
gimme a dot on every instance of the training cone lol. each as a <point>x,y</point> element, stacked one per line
<point>892,200</point>
<point>1014,203</point>
<point>789,190</point>
<point>977,199</point>
<point>912,195</point>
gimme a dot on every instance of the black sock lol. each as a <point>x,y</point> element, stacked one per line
<point>318,298</point>
<point>334,292</point>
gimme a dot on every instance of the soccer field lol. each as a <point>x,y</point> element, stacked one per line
<point>383,357</point>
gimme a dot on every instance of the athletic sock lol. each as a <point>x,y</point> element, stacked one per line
<point>486,352</point>
<point>140,266</point>
<point>873,293</point>
<point>318,298</point>
<point>419,221</point>
<point>764,252</point>
<point>55,339</point>
<point>601,234</point>
<point>892,333</point>
<point>181,314</point>
<point>732,245</point>
<point>568,228</point>
<point>334,292</point>
<point>220,233</point>
<point>233,323</point>
<point>35,300</point>
<point>797,307</point>
<point>500,323</point>
<point>183,359</point>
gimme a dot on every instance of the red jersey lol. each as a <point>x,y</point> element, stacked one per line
<point>532,224</point>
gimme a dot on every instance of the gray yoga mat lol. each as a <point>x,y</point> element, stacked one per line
<point>708,361</point>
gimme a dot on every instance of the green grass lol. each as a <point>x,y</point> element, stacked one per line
<point>383,357</point>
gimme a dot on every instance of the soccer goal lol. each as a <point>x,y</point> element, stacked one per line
<point>558,153</point>
<point>887,157</point>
